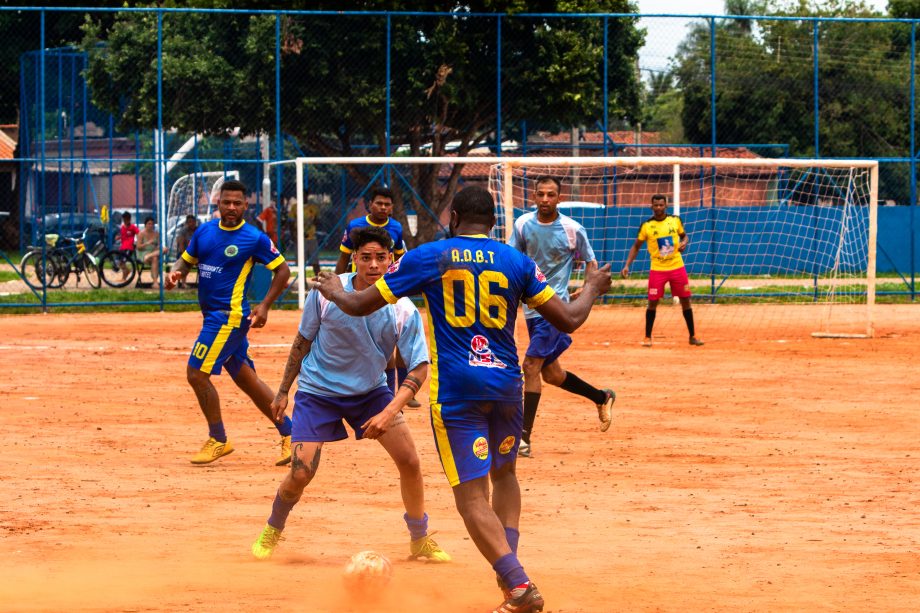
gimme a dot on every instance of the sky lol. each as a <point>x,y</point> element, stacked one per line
<point>664,34</point>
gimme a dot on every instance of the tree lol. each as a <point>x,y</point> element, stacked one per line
<point>219,74</point>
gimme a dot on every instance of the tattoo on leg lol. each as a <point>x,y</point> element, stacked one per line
<point>298,464</point>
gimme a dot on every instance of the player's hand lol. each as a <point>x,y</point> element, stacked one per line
<point>599,279</point>
<point>682,246</point>
<point>377,426</point>
<point>258,316</point>
<point>278,406</point>
<point>625,272</point>
<point>170,280</point>
<point>328,284</point>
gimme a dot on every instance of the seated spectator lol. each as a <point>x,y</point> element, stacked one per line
<point>148,249</point>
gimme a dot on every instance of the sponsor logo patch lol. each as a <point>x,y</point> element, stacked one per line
<point>231,251</point>
<point>507,445</point>
<point>481,355</point>
<point>394,266</point>
<point>481,448</point>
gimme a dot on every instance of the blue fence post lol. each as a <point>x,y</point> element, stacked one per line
<point>814,55</point>
<point>161,181</point>
<point>40,200</point>
<point>913,157</point>
<point>498,87</point>
<point>715,140</point>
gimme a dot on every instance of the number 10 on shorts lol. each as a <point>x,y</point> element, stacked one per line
<point>200,350</point>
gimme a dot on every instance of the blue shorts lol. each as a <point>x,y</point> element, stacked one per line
<point>318,419</point>
<point>546,342</point>
<point>474,437</point>
<point>220,345</point>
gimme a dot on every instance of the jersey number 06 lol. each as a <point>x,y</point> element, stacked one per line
<point>492,309</point>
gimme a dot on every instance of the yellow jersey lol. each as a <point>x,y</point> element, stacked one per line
<point>662,238</point>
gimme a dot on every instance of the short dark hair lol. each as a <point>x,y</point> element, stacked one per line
<point>548,179</point>
<point>386,192</point>
<point>149,218</point>
<point>126,215</point>
<point>370,234</point>
<point>233,186</point>
<point>187,217</point>
<point>660,197</point>
<point>475,204</point>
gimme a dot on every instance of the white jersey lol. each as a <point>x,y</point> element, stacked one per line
<point>555,247</point>
<point>349,354</point>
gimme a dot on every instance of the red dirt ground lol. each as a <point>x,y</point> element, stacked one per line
<point>746,475</point>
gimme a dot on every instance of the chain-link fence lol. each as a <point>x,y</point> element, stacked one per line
<point>137,110</point>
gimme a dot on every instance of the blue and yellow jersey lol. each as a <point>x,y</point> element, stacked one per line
<point>393,227</point>
<point>225,257</point>
<point>662,238</point>
<point>472,286</point>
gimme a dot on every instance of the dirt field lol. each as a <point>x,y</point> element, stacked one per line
<point>746,475</point>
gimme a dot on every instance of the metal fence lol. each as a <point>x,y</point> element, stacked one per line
<point>140,98</point>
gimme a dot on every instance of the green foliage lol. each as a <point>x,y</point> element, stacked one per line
<point>219,74</point>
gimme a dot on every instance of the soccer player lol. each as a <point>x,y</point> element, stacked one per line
<point>225,252</point>
<point>340,361</point>
<point>666,239</point>
<point>379,210</point>
<point>472,286</point>
<point>554,242</point>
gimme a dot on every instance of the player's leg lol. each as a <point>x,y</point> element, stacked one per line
<point>304,464</point>
<point>603,399</point>
<point>207,357</point>
<point>680,287</point>
<point>533,390</point>
<point>398,443</point>
<point>656,282</point>
<point>242,370</point>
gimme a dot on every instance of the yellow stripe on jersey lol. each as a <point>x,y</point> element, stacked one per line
<point>236,298</point>
<point>344,249</point>
<point>188,258</point>
<point>447,456</point>
<point>216,347</point>
<point>278,261</point>
<point>434,384</point>
<point>541,298</point>
<point>384,290</point>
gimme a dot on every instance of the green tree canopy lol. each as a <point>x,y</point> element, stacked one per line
<point>219,74</point>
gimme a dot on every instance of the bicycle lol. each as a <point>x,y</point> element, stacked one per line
<point>52,269</point>
<point>118,267</point>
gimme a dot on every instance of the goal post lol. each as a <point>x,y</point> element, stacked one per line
<point>796,236</point>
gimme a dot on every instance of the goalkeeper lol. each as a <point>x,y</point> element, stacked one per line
<point>666,239</point>
<point>340,361</point>
<point>554,241</point>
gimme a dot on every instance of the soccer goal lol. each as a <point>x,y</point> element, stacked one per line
<point>770,239</point>
<point>192,194</point>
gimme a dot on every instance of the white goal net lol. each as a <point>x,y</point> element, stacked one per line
<point>195,194</point>
<point>771,241</point>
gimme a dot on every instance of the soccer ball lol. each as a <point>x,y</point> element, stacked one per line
<point>367,572</point>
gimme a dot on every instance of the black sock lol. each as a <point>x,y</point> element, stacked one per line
<point>649,321</point>
<point>573,384</point>
<point>531,402</point>
<point>688,317</point>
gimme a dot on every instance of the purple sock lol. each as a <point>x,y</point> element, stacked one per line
<point>216,431</point>
<point>417,527</point>
<point>511,571</point>
<point>280,512</point>
<point>391,378</point>
<point>284,428</point>
<point>513,537</point>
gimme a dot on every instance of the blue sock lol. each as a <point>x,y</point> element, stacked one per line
<point>391,378</point>
<point>417,527</point>
<point>511,571</point>
<point>216,431</point>
<point>513,537</point>
<point>401,375</point>
<point>284,428</point>
<point>280,512</point>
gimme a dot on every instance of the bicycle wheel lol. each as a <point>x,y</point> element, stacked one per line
<point>62,268</point>
<point>91,272</point>
<point>37,271</point>
<point>117,269</point>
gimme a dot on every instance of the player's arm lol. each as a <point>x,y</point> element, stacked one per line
<point>684,241</point>
<point>177,272</point>
<point>377,425</point>
<point>259,314</point>
<point>589,268</point>
<point>299,350</point>
<point>341,264</point>
<point>633,252</point>
<point>356,304</point>
<point>568,316</point>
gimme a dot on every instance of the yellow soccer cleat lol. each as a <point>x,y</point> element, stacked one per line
<point>265,545</point>
<point>427,549</point>
<point>213,449</point>
<point>285,457</point>
<point>605,409</point>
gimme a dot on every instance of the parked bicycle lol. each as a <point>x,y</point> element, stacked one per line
<point>118,268</point>
<point>52,264</point>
